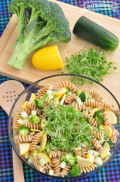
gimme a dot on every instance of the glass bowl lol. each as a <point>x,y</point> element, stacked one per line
<point>25,95</point>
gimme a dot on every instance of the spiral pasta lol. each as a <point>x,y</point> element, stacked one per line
<point>96,144</point>
<point>15,122</point>
<point>41,92</point>
<point>88,169</point>
<point>98,134</point>
<point>56,166</point>
<point>37,164</point>
<point>81,152</point>
<point>48,166</point>
<point>92,120</point>
<point>27,110</point>
<point>32,125</point>
<point>27,155</point>
<point>35,140</point>
<point>114,139</point>
<point>32,106</point>
<point>107,106</point>
<point>70,98</point>
<point>81,107</point>
<point>70,85</point>
<point>64,172</point>
<point>93,104</point>
<point>106,118</point>
<point>23,139</point>
<point>53,154</point>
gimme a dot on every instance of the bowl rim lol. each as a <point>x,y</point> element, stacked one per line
<point>46,174</point>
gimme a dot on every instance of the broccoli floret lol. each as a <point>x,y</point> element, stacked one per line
<point>69,158</point>
<point>99,117</point>
<point>82,97</point>
<point>34,119</point>
<point>39,22</point>
<point>24,131</point>
<point>39,102</point>
<point>78,92</point>
<point>75,171</point>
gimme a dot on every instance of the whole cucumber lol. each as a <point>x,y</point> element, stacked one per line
<point>94,33</point>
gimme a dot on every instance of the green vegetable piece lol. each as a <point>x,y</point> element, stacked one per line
<point>68,90</point>
<point>78,92</point>
<point>75,171</point>
<point>87,95</point>
<point>82,97</point>
<point>69,158</point>
<point>30,159</point>
<point>39,102</point>
<point>39,22</point>
<point>23,131</point>
<point>99,117</point>
<point>34,119</point>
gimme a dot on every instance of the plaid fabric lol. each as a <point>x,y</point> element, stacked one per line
<point>111,172</point>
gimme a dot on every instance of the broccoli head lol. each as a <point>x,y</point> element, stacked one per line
<point>39,22</point>
<point>82,97</point>
<point>34,119</point>
<point>99,117</point>
<point>39,102</point>
<point>24,131</point>
<point>69,158</point>
<point>75,171</point>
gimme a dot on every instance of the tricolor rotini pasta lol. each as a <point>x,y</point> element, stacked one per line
<point>65,132</point>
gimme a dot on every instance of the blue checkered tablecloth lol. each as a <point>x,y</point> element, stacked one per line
<point>111,172</point>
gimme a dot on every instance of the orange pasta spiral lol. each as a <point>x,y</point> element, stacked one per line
<point>56,166</point>
<point>37,164</point>
<point>70,98</point>
<point>35,141</point>
<point>15,122</point>
<point>88,169</point>
<point>23,139</point>
<point>106,118</point>
<point>32,125</point>
<point>64,172</point>
<point>93,104</point>
<point>99,134</point>
<point>92,120</point>
<point>70,85</point>
<point>96,144</point>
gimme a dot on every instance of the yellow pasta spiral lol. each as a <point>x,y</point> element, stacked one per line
<point>35,141</point>
<point>64,172</point>
<point>32,125</point>
<point>96,144</point>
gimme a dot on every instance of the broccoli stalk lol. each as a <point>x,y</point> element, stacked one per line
<point>24,131</point>
<point>75,171</point>
<point>82,97</point>
<point>39,22</point>
<point>39,102</point>
<point>69,158</point>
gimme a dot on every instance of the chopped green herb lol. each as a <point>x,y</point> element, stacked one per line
<point>92,63</point>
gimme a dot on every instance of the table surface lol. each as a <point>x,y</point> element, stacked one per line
<point>111,172</point>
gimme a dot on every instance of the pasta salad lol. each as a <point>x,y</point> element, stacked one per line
<point>65,132</point>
